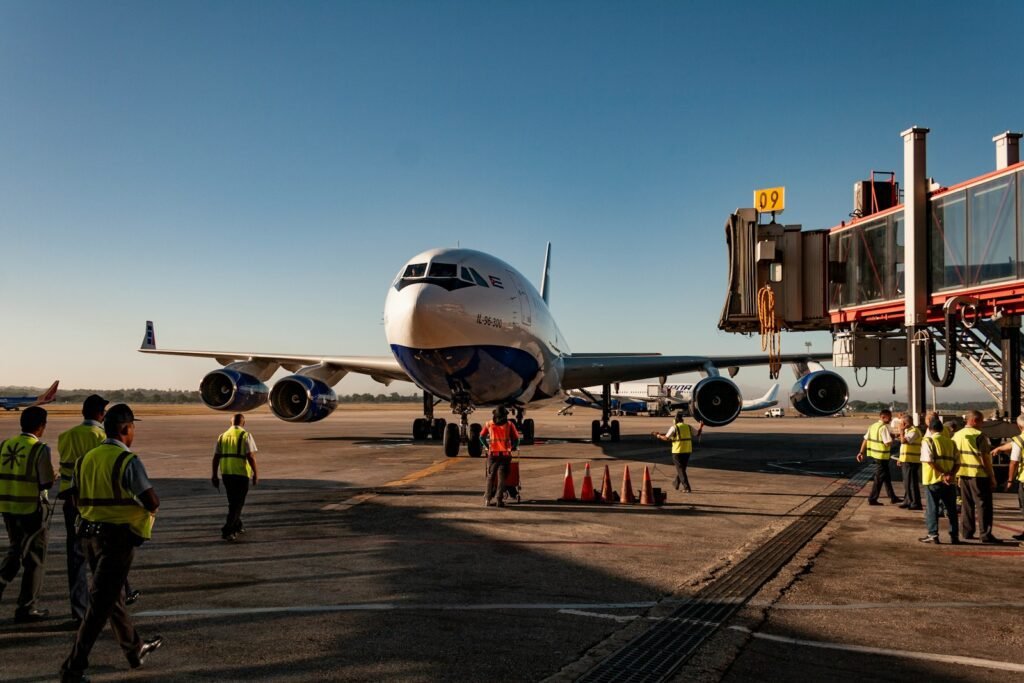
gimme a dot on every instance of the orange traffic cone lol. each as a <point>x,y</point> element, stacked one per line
<point>587,489</point>
<point>627,495</point>
<point>647,492</point>
<point>568,488</point>
<point>607,495</point>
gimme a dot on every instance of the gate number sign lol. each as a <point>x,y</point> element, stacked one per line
<point>770,199</point>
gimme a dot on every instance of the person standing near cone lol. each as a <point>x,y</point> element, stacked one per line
<point>233,459</point>
<point>500,437</point>
<point>681,437</point>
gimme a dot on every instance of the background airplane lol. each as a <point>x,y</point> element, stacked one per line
<point>18,402</point>
<point>469,329</point>
<point>654,399</point>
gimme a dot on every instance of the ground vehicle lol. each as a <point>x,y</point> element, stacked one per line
<point>775,412</point>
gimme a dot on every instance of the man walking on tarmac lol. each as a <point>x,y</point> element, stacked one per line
<point>233,458</point>
<point>976,480</point>
<point>1016,446</point>
<point>910,463</point>
<point>117,504</point>
<point>681,437</point>
<point>940,460</point>
<point>26,474</point>
<point>500,437</point>
<point>877,442</point>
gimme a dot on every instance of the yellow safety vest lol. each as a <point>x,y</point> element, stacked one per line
<point>876,448</point>
<point>1019,440</point>
<point>233,449</point>
<point>101,498</point>
<point>971,462</point>
<point>943,459</point>
<point>911,452</point>
<point>19,477</point>
<point>72,445</point>
<point>683,440</point>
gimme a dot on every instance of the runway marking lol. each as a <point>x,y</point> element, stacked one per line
<point>390,607</point>
<point>890,605</point>
<point>905,654</point>
<point>350,503</point>
<point>633,617</point>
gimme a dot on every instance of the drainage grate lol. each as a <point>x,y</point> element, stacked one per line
<point>661,650</point>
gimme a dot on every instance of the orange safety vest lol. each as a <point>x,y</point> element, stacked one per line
<point>501,437</point>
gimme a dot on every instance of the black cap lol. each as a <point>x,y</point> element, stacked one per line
<point>94,403</point>
<point>680,416</point>
<point>118,415</point>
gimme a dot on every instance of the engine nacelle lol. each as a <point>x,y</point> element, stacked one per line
<point>715,401</point>
<point>231,390</point>
<point>298,398</point>
<point>819,394</point>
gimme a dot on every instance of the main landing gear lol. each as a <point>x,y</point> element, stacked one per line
<point>599,428</point>
<point>427,427</point>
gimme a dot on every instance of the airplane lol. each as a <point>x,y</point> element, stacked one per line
<point>654,399</point>
<point>18,402</point>
<point>468,329</point>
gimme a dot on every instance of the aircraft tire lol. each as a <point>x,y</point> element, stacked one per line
<point>451,440</point>
<point>420,429</point>
<point>615,430</point>
<point>595,431</point>
<point>474,447</point>
<point>528,430</point>
<point>437,429</point>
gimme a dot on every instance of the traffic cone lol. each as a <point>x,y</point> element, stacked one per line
<point>607,495</point>
<point>647,492</point>
<point>587,488</point>
<point>627,495</point>
<point>568,488</point>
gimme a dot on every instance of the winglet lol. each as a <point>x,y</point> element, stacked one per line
<point>149,340</point>
<point>544,280</point>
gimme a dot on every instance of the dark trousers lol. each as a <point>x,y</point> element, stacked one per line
<point>1020,495</point>
<point>110,556</point>
<point>237,488</point>
<point>497,472</point>
<point>28,538</point>
<point>944,495</point>
<point>883,475</point>
<point>977,506</point>
<point>78,575</point>
<point>911,484</point>
<point>681,461</point>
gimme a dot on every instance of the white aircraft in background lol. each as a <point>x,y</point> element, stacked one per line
<point>654,399</point>
<point>470,330</point>
<point>19,402</point>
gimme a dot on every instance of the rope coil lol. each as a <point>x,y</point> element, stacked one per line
<point>771,336</point>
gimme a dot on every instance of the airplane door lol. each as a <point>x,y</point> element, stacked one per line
<point>525,309</point>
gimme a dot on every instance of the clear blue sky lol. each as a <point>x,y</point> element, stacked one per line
<point>251,175</point>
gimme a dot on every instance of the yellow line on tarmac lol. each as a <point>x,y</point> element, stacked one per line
<point>349,503</point>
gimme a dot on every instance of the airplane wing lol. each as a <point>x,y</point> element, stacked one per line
<point>583,370</point>
<point>381,368</point>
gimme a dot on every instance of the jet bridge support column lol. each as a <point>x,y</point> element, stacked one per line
<point>1009,329</point>
<point>915,215</point>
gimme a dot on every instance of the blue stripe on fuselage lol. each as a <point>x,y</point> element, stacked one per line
<point>488,374</point>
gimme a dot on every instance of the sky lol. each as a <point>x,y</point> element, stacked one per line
<point>252,175</point>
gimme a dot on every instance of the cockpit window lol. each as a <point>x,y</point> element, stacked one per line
<point>443,270</point>
<point>465,274</point>
<point>479,280</point>
<point>415,270</point>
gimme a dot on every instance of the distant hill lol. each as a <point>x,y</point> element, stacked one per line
<point>179,396</point>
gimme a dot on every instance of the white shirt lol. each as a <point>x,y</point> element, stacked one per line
<point>1015,453</point>
<point>886,435</point>
<point>926,450</point>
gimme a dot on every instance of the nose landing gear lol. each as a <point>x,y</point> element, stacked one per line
<point>464,432</point>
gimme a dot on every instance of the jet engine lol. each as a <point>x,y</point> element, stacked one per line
<point>298,398</point>
<point>715,401</point>
<point>819,394</point>
<point>231,390</point>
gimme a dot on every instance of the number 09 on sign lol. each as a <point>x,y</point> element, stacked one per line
<point>772,199</point>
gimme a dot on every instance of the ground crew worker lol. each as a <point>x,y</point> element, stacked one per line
<point>877,442</point>
<point>233,458</point>
<point>910,463</point>
<point>681,436</point>
<point>940,460</point>
<point>26,474</point>
<point>500,437</point>
<point>117,505</point>
<point>1015,445</point>
<point>976,480</point>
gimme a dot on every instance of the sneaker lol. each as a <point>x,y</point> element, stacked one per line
<point>135,659</point>
<point>930,539</point>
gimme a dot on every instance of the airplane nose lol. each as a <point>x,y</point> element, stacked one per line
<point>423,316</point>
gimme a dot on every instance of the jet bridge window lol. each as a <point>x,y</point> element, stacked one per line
<point>992,242</point>
<point>415,270</point>
<point>947,237</point>
<point>444,270</point>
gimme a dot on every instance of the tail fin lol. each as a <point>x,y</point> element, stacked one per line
<point>545,282</point>
<point>772,393</point>
<point>49,395</point>
<point>149,340</point>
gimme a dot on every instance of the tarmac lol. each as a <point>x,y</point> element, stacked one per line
<point>369,556</point>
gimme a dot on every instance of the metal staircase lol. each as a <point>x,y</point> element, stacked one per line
<point>979,353</point>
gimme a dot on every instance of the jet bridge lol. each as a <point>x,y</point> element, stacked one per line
<point>902,283</point>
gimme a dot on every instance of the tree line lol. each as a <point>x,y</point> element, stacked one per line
<point>944,407</point>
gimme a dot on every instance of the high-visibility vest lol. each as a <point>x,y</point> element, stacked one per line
<point>943,459</point>
<point>101,496</point>
<point>1019,440</point>
<point>233,449</point>
<point>72,445</point>
<point>682,439</point>
<point>876,448</point>
<point>19,477</point>
<point>500,436</point>
<point>911,452</point>
<point>971,462</point>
